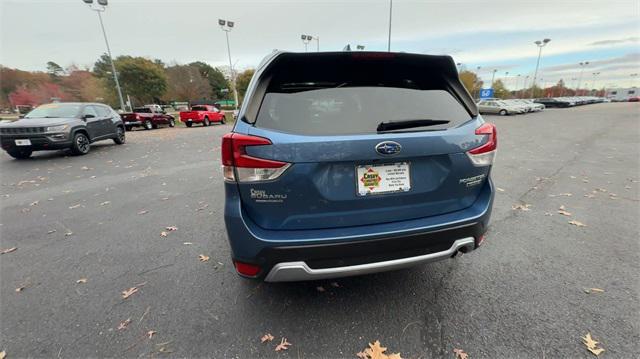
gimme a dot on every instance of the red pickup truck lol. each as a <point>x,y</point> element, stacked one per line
<point>147,118</point>
<point>204,114</point>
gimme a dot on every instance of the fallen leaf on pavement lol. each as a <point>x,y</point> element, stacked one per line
<point>335,284</point>
<point>144,211</point>
<point>129,292</point>
<point>577,223</point>
<point>589,195</point>
<point>35,203</point>
<point>187,243</point>
<point>8,250</point>
<point>500,189</point>
<point>592,345</point>
<point>460,354</point>
<point>284,345</point>
<point>593,290</point>
<point>203,258</point>
<point>123,324</point>
<point>266,338</point>
<point>171,228</point>
<point>68,234</point>
<point>105,203</point>
<point>51,231</point>
<point>320,288</point>
<point>163,234</point>
<point>151,333</point>
<point>3,354</point>
<point>376,351</point>
<point>20,289</point>
<point>522,207</point>
<point>75,206</point>
<point>563,212</point>
<point>81,281</point>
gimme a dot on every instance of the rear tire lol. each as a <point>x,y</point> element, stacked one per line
<point>222,121</point>
<point>148,125</point>
<point>189,124</point>
<point>503,112</point>
<point>172,122</point>
<point>206,122</point>
<point>81,144</point>
<point>120,136</point>
<point>20,154</point>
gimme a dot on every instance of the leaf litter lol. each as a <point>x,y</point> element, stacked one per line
<point>266,338</point>
<point>377,351</point>
<point>577,223</point>
<point>8,250</point>
<point>284,345</point>
<point>460,354</point>
<point>522,207</point>
<point>592,345</point>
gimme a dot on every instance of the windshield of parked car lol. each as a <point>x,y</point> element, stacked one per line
<point>55,110</point>
<point>356,110</point>
<point>142,110</point>
<point>199,108</point>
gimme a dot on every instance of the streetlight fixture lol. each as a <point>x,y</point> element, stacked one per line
<point>99,8</point>
<point>582,66</point>
<point>227,26</point>
<point>593,84</point>
<point>540,45</point>
<point>493,76</point>
<point>307,38</point>
<point>475,80</point>
<point>360,47</point>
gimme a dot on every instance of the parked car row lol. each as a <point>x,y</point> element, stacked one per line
<point>508,107</point>
<point>570,101</point>
<point>75,125</point>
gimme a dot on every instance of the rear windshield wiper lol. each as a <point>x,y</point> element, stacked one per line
<point>402,124</point>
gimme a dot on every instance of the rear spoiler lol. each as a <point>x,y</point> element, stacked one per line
<point>427,71</point>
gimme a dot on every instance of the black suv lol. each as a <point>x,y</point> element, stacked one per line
<point>61,125</point>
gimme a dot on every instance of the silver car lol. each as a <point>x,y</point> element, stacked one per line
<point>499,107</point>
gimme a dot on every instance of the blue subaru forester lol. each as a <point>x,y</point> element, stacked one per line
<point>348,163</point>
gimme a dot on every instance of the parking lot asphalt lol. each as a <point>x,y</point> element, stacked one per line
<point>526,293</point>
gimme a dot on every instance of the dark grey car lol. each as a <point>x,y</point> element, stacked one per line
<point>56,126</point>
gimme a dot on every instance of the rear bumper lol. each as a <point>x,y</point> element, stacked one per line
<point>196,120</point>
<point>300,271</point>
<point>133,123</point>
<point>294,255</point>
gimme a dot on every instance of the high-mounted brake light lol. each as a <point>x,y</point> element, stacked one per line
<point>238,165</point>
<point>484,154</point>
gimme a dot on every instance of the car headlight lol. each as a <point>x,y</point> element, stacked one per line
<point>59,128</point>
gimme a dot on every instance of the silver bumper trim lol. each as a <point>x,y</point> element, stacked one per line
<point>300,271</point>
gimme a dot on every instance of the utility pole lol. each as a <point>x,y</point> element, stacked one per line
<point>493,76</point>
<point>390,16</point>
<point>540,45</point>
<point>227,26</point>
<point>582,66</point>
<point>102,6</point>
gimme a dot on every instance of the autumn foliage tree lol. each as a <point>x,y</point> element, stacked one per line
<point>186,83</point>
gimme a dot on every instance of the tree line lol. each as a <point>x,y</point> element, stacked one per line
<point>143,80</point>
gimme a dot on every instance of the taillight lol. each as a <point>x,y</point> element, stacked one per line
<point>246,269</point>
<point>484,154</point>
<point>138,117</point>
<point>239,166</point>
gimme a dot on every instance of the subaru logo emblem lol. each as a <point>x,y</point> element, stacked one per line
<point>388,148</point>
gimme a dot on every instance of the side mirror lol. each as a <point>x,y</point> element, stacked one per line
<point>87,116</point>
<point>21,116</point>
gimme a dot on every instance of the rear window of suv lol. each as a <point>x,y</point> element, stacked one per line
<point>356,110</point>
<point>353,93</point>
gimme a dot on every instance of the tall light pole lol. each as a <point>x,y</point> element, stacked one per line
<point>506,78</point>
<point>593,84</point>
<point>516,91</point>
<point>540,45</point>
<point>632,77</point>
<point>526,80</point>
<point>582,66</point>
<point>390,15</point>
<point>307,38</point>
<point>227,26</point>
<point>475,80</point>
<point>102,6</point>
<point>493,76</point>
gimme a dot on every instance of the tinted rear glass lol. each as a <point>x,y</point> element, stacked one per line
<point>356,110</point>
<point>198,108</point>
<point>142,110</point>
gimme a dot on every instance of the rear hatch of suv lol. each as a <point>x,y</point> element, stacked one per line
<point>356,139</point>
